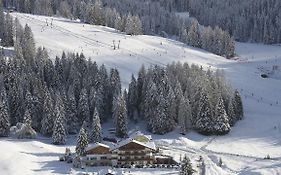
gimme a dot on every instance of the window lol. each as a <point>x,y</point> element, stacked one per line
<point>103,158</point>
<point>93,158</point>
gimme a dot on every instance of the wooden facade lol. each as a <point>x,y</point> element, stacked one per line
<point>134,153</point>
<point>98,155</point>
<point>130,152</point>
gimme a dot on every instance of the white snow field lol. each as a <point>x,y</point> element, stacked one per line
<point>242,151</point>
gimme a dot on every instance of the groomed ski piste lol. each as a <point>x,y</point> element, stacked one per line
<point>242,150</point>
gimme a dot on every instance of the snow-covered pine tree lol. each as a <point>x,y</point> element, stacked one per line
<point>83,108</point>
<point>184,114</point>
<point>178,96</point>
<point>159,122</point>
<point>4,119</point>
<point>82,142</point>
<point>231,112</point>
<point>115,90</point>
<point>38,101</point>
<point>172,105</point>
<point>129,25</point>
<point>228,45</point>
<point>119,23</point>
<point>101,102</point>
<point>203,123</point>
<point>132,99</point>
<point>98,13</point>
<point>221,123</point>
<point>183,35</point>
<point>195,99</point>
<point>96,128</point>
<point>47,122</point>
<point>137,25</point>
<point>71,112</point>
<point>27,118</point>
<point>186,167</point>
<point>121,121</point>
<point>8,31</point>
<point>239,105</point>
<point>207,38</point>
<point>92,100</point>
<point>140,94</point>
<point>28,46</point>
<point>193,35</point>
<point>59,134</point>
<point>150,102</point>
<point>15,103</point>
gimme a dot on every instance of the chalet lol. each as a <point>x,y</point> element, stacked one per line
<point>133,152</point>
<point>98,155</point>
<point>127,152</point>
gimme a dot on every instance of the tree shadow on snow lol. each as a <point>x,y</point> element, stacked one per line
<point>56,167</point>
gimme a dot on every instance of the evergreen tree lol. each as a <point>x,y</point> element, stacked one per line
<point>184,35</point>
<point>83,108</point>
<point>8,31</point>
<point>28,46</point>
<point>47,122</point>
<point>193,35</point>
<point>184,114</point>
<point>30,103</point>
<point>121,121</point>
<point>221,123</point>
<point>129,25</point>
<point>82,142</point>
<point>100,100</point>
<point>231,112</point>
<point>172,105</point>
<point>15,102</point>
<point>4,119</point>
<point>239,105</point>
<point>92,100</point>
<point>27,118</point>
<point>133,25</point>
<point>178,96</point>
<point>133,99</point>
<point>203,121</point>
<point>159,122</point>
<point>140,94</point>
<point>115,91</point>
<point>71,112</point>
<point>186,167</point>
<point>59,134</point>
<point>96,128</point>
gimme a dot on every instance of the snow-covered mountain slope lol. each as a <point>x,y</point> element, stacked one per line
<point>97,42</point>
<point>242,150</point>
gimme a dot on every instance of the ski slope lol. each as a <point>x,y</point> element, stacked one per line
<point>97,42</point>
<point>242,150</point>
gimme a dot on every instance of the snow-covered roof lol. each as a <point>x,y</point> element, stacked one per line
<point>150,145</point>
<point>139,133</point>
<point>92,146</point>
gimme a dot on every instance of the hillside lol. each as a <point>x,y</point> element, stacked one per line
<point>242,150</point>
